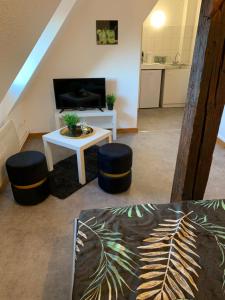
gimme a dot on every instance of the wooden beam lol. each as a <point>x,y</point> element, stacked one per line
<point>214,7</point>
<point>203,112</point>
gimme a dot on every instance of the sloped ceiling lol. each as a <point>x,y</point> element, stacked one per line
<point>21,23</point>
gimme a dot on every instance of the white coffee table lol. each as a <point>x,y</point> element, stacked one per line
<point>78,145</point>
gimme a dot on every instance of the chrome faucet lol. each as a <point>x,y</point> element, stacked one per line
<point>176,59</point>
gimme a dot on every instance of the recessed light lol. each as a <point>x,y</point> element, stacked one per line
<point>158,19</point>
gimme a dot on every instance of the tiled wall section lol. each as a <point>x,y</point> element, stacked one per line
<point>165,42</point>
<point>187,50</point>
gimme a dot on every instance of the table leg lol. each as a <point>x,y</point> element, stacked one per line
<point>110,138</point>
<point>48,154</point>
<point>114,130</point>
<point>114,134</point>
<point>81,167</point>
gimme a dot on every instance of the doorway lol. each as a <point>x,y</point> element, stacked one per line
<point>168,40</point>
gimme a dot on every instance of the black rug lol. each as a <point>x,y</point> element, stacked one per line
<point>64,180</point>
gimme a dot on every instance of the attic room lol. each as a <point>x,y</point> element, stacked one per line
<point>112,149</point>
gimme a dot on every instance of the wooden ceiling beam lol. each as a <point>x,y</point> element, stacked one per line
<point>204,108</point>
<point>215,7</point>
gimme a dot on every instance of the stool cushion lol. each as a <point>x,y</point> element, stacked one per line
<point>26,168</point>
<point>31,196</point>
<point>115,158</point>
<point>113,185</point>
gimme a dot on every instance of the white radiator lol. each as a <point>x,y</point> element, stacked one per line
<point>9,145</point>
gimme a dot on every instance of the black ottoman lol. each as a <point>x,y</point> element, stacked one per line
<point>114,164</point>
<point>28,174</point>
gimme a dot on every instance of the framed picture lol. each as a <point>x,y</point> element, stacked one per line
<point>107,32</point>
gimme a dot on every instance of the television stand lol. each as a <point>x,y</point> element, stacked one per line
<point>106,119</point>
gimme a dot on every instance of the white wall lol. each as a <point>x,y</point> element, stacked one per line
<point>19,118</point>
<point>21,23</point>
<point>190,30</point>
<point>75,54</point>
<point>35,58</point>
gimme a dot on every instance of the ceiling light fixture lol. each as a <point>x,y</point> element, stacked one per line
<point>158,19</point>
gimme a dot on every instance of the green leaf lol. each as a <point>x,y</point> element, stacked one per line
<point>120,249</point>
<point>106,273</point>
<point>138,212</point>
<point>138,209</point>
<point>223,205</point>
<point>122,263</point>
<point>114,283</point>
<point>215,204</point>
<point>117,276</point>
<point>130,212</point>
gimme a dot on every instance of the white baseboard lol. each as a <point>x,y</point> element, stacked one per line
<point>23,139</point>
<point>174,105</point>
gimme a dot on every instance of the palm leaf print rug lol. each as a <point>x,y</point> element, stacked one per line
<point>158,252</point>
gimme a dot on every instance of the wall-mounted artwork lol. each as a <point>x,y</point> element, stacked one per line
<point>107,32</point>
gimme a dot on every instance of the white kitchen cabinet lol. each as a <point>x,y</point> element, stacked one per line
<point>150,88</point>
<point>175,87</point>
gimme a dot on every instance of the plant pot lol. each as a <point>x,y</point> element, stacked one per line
<point>75,130</point>
<point>110,106</point>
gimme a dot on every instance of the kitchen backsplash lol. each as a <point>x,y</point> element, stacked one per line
<point>166,42</point>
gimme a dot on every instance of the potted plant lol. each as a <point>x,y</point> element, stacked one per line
<point>72,120</point>
<point>110,99</point>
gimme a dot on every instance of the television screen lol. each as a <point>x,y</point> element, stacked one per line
<point>80,93</point>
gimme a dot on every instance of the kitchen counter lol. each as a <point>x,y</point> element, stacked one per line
<point>158,66</point>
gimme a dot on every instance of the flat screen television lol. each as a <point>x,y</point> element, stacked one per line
<point>80,93</point>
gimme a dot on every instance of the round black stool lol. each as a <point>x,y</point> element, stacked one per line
<point>28,174</point>
<point>114,163</point>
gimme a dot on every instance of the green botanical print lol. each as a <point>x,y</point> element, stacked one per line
<point>215,204</point>
<point>218,232</point>
<point>134,210</point>
<point>170,271</point>
<point>167,262</point>
<point>171,250</point>
<point>114,255</point>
